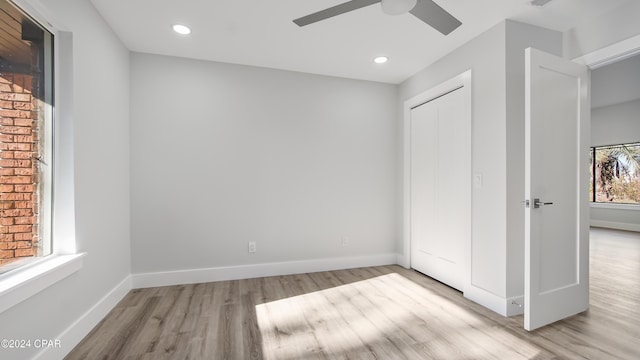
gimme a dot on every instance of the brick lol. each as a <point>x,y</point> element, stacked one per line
<point>18,146</point>
<point>6,188</point>
<point>17,213</point>
<point>22,122</point>
<point>15,113</point>
<point>7,205</point>
<point>15,97</point>
<point>22,212</point>
<point>23,237</point>
<point>12,229</point>
<point>15,130</point>
<point>8,146</point>
<point>25,252</point>
<point>8,245</point>
<point>23,204</point>
<point>18,78</point>
<point>15,197</point>
<point>18,83</point>
<point>6,254</point>
<point>26,106</point>
<point>23,171</point>
<point>25,188</point>
<point>23,163</point>
<point>25,220</point>
<point>14,163</point>
<point>23,244</point>
<point>23,82</point>
<point>6,88</point>
<point>23,138</point>
<point>23,155</point>
<point>6,237</point>
<point>15,180</point>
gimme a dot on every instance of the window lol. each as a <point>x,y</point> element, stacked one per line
<point>26,122</point>
<point>615,174</point>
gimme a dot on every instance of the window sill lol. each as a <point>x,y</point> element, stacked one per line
<point>20,284</point>
<point>614,206</point>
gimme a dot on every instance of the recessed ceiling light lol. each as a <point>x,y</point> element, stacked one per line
<point>182,29</point>
<point>381,60</point>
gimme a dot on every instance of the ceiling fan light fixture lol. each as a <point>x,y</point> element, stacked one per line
<point>539,2</point>
<point>397,7</point>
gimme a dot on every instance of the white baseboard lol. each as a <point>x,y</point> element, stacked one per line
<point>81,327</point>
<point>615,225</point>
<point>515,305</point>
<point>402,261</point>
<point>194,276</point>
<point>503,306</point>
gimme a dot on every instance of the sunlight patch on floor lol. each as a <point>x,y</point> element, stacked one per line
<point>382,317</point>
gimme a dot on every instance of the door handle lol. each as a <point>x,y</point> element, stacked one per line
<point>537,203</point>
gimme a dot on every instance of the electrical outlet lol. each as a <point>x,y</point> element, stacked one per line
<point>252,246</point>
<point>345,241</point>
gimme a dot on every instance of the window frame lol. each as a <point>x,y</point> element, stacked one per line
<point>601,204</point>
<point>24,282</point>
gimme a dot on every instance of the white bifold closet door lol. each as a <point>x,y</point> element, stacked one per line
<point>440,188</point>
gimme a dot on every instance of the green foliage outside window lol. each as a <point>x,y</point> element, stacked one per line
<point>615,174</point>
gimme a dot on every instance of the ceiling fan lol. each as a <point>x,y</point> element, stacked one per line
<point>425,10</point>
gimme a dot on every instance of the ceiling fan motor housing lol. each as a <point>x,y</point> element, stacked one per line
<point>397,7</point>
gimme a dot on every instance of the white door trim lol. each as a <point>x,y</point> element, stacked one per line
<point>610,54</point>
<point>462,82</point>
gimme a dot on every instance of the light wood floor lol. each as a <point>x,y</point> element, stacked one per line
<point>383,312</point>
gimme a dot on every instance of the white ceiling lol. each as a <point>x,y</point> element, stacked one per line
<point>261,32</point>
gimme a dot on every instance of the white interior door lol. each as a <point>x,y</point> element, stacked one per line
<point>557,175</point>
<point>440,188</point>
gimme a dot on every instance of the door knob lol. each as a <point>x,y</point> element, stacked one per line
<point>537,203</point>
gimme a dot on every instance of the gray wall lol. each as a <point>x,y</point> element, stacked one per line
<point>226,154</point>
<point>616,83</point>
<point>101,134</point>
<point>616,124</point>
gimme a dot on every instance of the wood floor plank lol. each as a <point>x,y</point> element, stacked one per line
<point>289,334</point>
<point>384,312</point>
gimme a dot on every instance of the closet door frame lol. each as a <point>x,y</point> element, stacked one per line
<point>461,82</point>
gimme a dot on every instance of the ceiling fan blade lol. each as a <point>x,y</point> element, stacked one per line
<point>334,11</point>
<point>437,17</point>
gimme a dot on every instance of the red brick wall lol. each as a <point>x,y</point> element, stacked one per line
<point>18,167</point>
